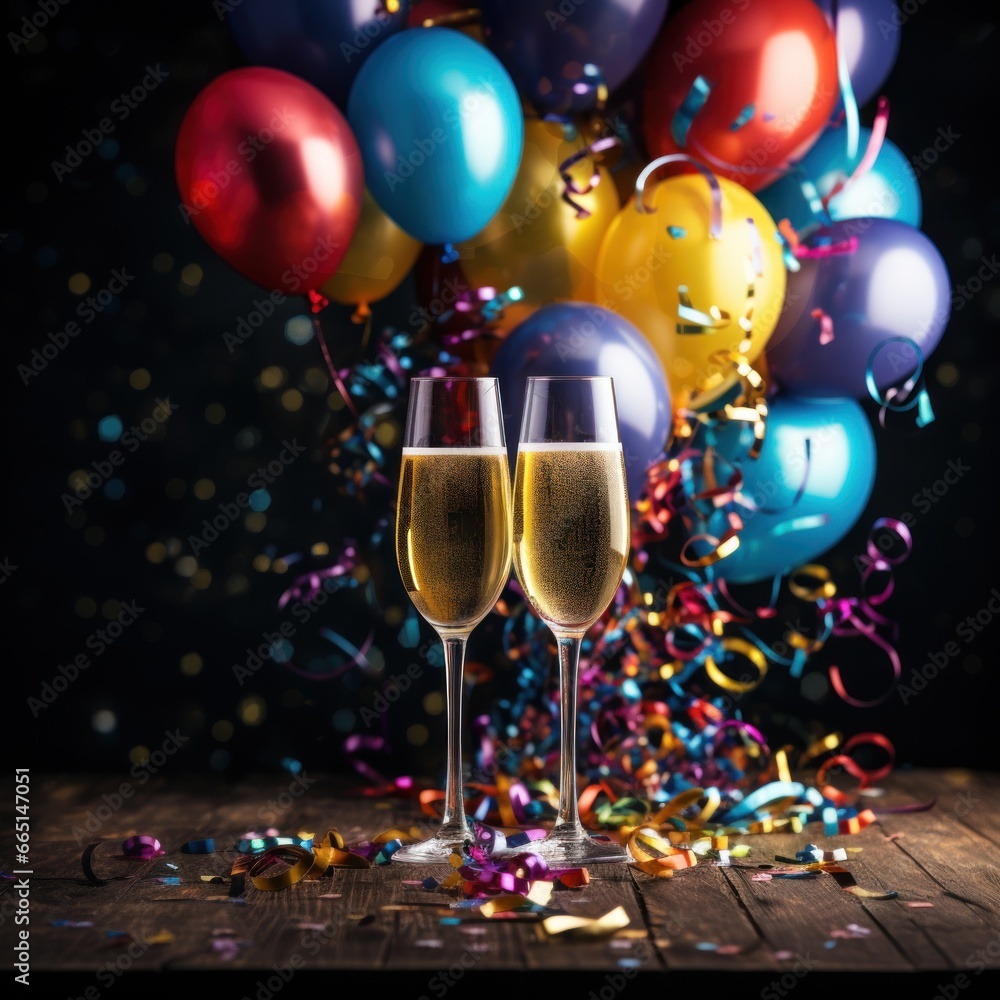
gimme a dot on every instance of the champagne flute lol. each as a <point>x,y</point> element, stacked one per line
<point>453,548</point>
<point>571,544</point>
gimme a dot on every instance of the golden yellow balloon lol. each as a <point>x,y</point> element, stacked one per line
<point>538,241</point>
<point>696,265</point>
<point>380,256</point>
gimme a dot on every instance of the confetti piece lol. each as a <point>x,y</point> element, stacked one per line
<point>142,847</point>
<point>72,923</point>
<point>919,903</point>
<point>227,948</point>
<point>850,931</point>
<point>206,846</point>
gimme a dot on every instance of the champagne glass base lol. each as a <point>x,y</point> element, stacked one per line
<point>436,850</point>
<point>572,847</point>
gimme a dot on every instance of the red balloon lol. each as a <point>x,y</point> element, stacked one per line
<point>271,175</point>
<point>744,86</point>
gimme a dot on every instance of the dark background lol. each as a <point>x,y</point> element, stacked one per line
<point>173,669</point>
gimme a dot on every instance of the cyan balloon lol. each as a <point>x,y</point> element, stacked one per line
<point>441,131</point>
<point>887,190</point>
<point>322,42</point>
<point>806,490</point>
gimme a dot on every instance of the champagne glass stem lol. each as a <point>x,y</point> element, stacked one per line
<point>569,672</point>
<point>454,664</point>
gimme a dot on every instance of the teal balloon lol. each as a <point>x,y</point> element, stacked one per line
<point>440,126</point>
<point>887,190</point>
<point>809,486</point>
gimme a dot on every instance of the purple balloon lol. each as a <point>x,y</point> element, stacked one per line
<point>868,35</point>
<point>578,338</point>
<point>560,52</point>
<point>876,283</point>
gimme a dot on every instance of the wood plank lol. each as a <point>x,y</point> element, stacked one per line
<point>973,798</point>
<point>699,907</point>
<point>354,920</point>
<point>801,915</point>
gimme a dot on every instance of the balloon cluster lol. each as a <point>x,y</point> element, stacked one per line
<point>681,195</point>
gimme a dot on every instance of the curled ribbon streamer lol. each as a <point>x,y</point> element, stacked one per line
<point>822,250</point>
<point>733,644</point>
<point>872,150</point>
<point>903,398</point>
<point>693,102</point>
<point>571,186</point>
<point>847,98</point>
<point>307,587</point>
<point>304,860</point>
<point>318,303</point>
<point>613,920</point>
<point>857,617</point>
<point>655,856</point>
<point>817,206</point>
<point>850,766</point>
<point>696,321</point>
<point>715,217</point>
<point>875,739</point>
<point>825,326</point>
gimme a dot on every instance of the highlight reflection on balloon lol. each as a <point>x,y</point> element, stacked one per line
<point>746,87</point>
<point>440,127</point>
<point>888,189</point>
<point>270,174</point>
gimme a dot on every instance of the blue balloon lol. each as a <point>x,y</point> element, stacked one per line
<point>441,132</point>
<point>868,35</point>
<point>808,487</point>
<point>887,190</point>
<point>578,338</point>
<point>325,42</point>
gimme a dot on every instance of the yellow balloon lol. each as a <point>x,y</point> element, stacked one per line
<point>538,241</point>
<point>380,256</point>
<point>702,299</point>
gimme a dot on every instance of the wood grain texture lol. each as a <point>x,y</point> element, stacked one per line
<point>705,926</point>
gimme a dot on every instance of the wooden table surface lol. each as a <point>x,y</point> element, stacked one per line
<point>707,927</point>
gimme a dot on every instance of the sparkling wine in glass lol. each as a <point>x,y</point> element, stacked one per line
<point>453,548</point>
<point>571,545</point>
